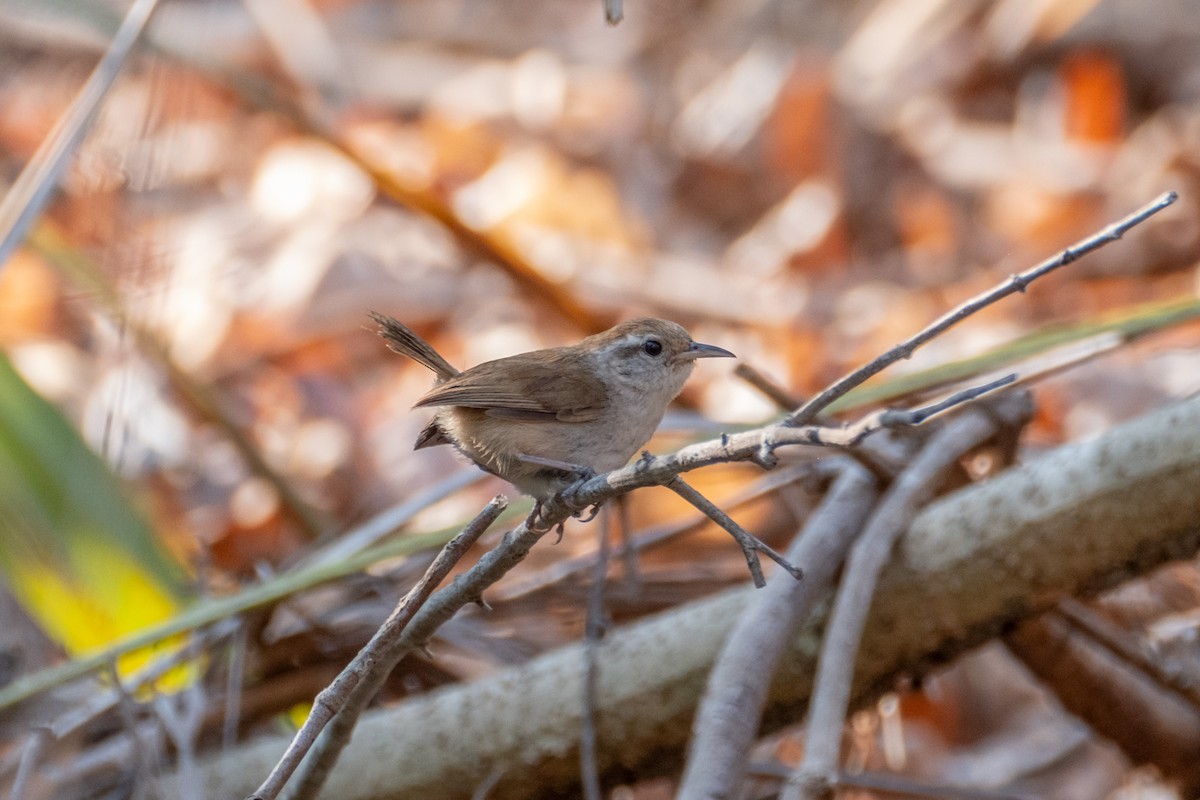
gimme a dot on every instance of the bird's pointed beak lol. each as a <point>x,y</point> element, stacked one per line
<point>697,350</point>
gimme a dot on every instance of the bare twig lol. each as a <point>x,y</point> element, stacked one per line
<point>898,417</point>
<point>1017,283</point>
<point>181,716</point>
<point>771,482</point>
<point>772,390</point>
<point>368,661</point>
<point>831,695</point>
<point>751,544</point>
<point>28,196</point>
<point>629,545</point>
<point>145,751</point>
<point>233,687</point>
<point>443,605</point>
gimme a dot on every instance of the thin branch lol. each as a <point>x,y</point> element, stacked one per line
<point>751,545</point>
<point>233,687</point>
<point>31,756</point>
<point>905,417</point>
<point>367,662</point>
<point>517,587</point>
<point>1017,283</point>
<point>32,190</point>
<point>444,604</point>
<point>629,545</point>
<point>774,392</point>
<point>831,695</point>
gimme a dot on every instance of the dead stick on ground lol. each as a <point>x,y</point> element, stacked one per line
<point>831,693</point>
<point>334,696</point>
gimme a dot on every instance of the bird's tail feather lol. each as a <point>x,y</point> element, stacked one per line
<point>401,339</point>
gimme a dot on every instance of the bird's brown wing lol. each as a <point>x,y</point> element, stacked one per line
<point>544,385</point>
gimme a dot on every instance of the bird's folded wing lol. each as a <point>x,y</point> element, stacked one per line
<point>547,386</point>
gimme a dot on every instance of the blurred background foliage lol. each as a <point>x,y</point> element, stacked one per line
<point>195,402</point>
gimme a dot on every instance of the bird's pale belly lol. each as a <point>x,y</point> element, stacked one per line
<point>600,445</point>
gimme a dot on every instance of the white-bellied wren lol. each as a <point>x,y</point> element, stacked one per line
<point>542,420</point>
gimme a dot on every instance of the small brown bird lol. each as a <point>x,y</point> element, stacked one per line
<point>543,419</point>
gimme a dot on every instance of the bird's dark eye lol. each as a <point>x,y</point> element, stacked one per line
<point>652,347</point>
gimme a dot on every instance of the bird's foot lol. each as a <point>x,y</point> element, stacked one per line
<point>534,521</point>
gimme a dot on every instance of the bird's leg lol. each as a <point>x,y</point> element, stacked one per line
<point>554,463</point>
<point>579,472</point>
<point>531,522</point>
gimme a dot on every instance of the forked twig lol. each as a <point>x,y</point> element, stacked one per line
<point>1017,283</point>
<point>368,662</point>
<point>751,544</point>
<point>562,569</point>
<point>831,692</point>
